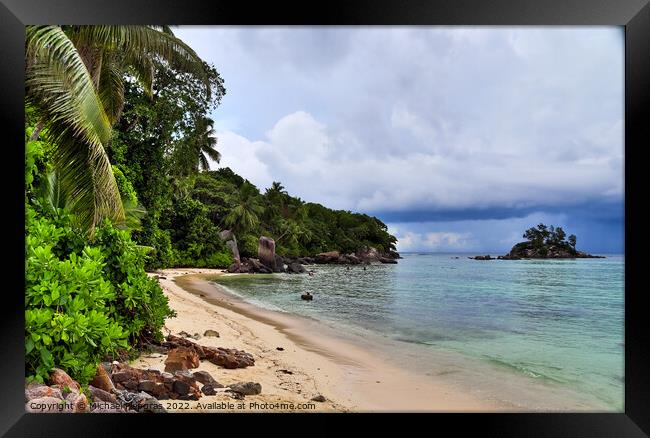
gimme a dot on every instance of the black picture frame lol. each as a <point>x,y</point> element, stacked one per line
<point>634,15</point>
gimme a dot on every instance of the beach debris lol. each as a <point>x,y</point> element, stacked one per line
<point>279,348</point>
<point>206,379</point>
<point>319,398</point>
<point>225,357</point>
<point>246,388</point>
<point>286,371</point>
<point>102,380</point>
<point>212,333</point>
<point>181,358</point>
<point>307,296</point>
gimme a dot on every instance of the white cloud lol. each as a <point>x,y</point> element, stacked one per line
<point>423,118</point>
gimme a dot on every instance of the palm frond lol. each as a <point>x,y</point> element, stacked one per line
<point>203,162</point>
<point>214,154</point>
<point>58,82</point>
<point>86,177</point>
<point>153,41</point>
<point>111,87</point>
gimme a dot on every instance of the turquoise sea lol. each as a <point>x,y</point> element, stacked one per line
<point>559,321</point>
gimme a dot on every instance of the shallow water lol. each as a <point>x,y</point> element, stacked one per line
<point>557,321</point>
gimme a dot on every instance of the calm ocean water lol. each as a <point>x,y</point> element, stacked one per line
<point>560,321</point>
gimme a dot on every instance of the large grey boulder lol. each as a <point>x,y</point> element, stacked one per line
<point>231,242</point>
<point>266,253</point>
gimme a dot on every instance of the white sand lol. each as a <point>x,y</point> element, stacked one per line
<point>350,378</point>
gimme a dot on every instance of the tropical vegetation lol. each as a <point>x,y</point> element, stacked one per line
<point>119,148</point>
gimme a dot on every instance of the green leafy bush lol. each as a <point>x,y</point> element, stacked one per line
<point>85,303</point>
<point>67,323</point>
<point>140,306</point>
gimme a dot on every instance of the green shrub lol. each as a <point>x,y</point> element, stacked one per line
<point>140,307</point>
<point>84,305</point>
<point>67,322</point>
<point>127,192</point>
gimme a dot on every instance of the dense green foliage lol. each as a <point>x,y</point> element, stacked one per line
<point>85,300</point>
<point>543,235</point>
<point>119,140</point>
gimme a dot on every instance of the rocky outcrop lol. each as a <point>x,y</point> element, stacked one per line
<point>181,359</point>
<point>296,268</point>
<point>64,395</point>
<point>62,380</point>
<point>364,255</point>
<point>102,380</point>
<point>162,385</point>
<point>387,260</point>
<point>231,242</point>
<point>483,257</point>
<point>528,250</point>
<point>266,254</point>
<point>327,257</point>
<point>224,357</point>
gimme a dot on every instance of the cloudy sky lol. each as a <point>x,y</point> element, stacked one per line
<point>459,138</point>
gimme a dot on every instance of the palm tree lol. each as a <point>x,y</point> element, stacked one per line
<point>206,143</point>
<point>191,153</point>
<point>245,215</point>
<point>74,78</point>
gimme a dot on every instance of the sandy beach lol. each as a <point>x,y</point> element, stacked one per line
<point>310,363</point>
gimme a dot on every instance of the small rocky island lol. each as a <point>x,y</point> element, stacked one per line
<point>544,242</point>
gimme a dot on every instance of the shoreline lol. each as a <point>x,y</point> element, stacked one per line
<point>353,376</point>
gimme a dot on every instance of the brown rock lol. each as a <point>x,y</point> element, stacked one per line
<point>121,376</point>
<point>147,386</point>
<point>266,252</point>
<point>99,395</point>
<point>229,357</point>
<point>246,388</point>
<point>79,403</point>
<point>61,378</point>
<point>208,390</point>
<point>38,390</point>
<point>212,333</point>
<point>206,379</point>
<point>181,388</point>
<point>225,357</point>
<point>327,257</point>
<point>181,358</point>
<point>102,380</point>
